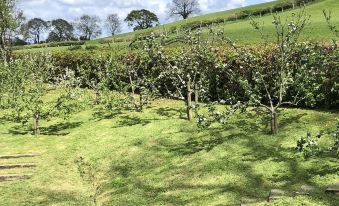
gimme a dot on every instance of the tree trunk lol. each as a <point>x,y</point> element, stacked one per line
<point>189,101</point>
<point>97,97</point>
<point>36,124</point>
<point>140,103</point>
<point>274,122</point>
<point>196,94</point>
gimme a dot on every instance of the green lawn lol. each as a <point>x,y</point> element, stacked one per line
<point>158,158</point>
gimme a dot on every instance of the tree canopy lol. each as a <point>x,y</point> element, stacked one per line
<point>141,19</point>
<point>88,27</point>
<point>34,28</point>
<point>184,8</point>
<point>61,30</point>
<point>113,24</point>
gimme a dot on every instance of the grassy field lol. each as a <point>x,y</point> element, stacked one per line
<point>158,158</point>
<point>242,32</point>
<point>239,31</point>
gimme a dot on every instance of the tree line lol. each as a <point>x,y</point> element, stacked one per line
<point>87,26</point>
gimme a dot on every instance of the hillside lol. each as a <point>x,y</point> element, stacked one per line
<point>239,31</point>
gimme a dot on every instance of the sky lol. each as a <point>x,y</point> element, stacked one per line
<point>73,9</point>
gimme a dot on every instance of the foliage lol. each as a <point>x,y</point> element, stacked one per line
<point>53,44</point>
<point>61,30</point>
<point>310,146</point>
<point>8,23</point>
<point>113,24</point>
<point>28,81</point>
<point>183,8</point>
<point>89,27</point>
<point>33,29</point>
<point>141,19</point>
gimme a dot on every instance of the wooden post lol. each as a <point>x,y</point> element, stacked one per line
<point>189,101</point>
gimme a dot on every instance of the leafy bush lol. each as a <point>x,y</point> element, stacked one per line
<point>53,44</point>
<point>73,48</point>
<point>310,145</point>
<point>91,47</point>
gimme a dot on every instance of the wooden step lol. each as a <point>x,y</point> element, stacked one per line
<point>18,156</point>
<point>12,166</point>
<point>13,177</point>
<point>275,194</point>
<point>333,188</point>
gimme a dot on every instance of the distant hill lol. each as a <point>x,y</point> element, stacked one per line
<point>236,23</point>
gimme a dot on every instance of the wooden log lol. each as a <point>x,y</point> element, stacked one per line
<point>12,166</point>
<point>18,156</point>
<point>275,194</point>
<point>13,177</point>
<point>333,188</point>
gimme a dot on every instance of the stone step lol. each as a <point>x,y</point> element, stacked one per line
<point>18,156</point>
<point>12,166</point>
<point>14,177</point>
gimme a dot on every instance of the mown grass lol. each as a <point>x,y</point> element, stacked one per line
<point>158,158</point>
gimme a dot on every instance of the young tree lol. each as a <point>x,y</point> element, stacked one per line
<point>182,75</point>
<point>89,27</point>
<point>141,19</point>
<point>113,24</point>
<point>34,28</point>
<point>61,30</point>
<point>272,83</point>
<point>183,8</point>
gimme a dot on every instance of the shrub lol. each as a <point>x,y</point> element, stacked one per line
<point>91,47</point>
<point>73,48</point>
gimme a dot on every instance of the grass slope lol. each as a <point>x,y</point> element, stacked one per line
<point>158,158</point>
<point>240,31</point>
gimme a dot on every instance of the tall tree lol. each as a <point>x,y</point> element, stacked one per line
<point>34,28</point>
<point>183,8</point>
<point>61,31</point>
<point>141,19</point>
<point>89,27</point>
<point>113,24</point>
<point>7,24</point>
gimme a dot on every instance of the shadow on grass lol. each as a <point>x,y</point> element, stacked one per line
<point>194,145</point>
<point>53,197</point>
<point>128,121</point>
<point>170,112</point>
<point>99,115</point>
<point>53,130</point>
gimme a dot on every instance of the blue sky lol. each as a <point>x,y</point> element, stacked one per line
<point>72,9</point>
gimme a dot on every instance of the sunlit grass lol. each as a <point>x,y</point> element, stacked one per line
<point>158,158</point>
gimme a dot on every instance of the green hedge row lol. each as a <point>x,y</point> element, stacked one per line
<point>53,44</point>
<point>320,61</point>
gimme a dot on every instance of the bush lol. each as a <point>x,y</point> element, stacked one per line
<point>53,44</point>
<point>73,48</point>
<point>91,47</point>
<point>318,61</point>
